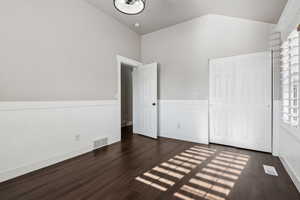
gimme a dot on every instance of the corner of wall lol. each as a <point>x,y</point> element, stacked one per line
<point>291,172</point>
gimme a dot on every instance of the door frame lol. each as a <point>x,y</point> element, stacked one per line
<point>127,61</point>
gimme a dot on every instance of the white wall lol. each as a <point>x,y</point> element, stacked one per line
<point>289,152</point>
<point>60,50</point>
<point>290,18</point>
<point>65,50</point>
<point>288,138</point>
<point>183,52</point>
<point>184,120</point>
<point>52,54</point>
<point>38,134</point>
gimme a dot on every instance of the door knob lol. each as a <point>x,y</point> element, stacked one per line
<point>153,104</point>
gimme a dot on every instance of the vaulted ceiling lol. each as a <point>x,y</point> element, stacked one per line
<point>163,13</point>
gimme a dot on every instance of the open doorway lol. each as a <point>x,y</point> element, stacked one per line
<point>138,110</point>
<point>126,101</point>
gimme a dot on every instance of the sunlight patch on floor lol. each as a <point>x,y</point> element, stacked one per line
<point>188,160</point>
<point>147,182</point>
<point>219,173</point>
<point>222,168</point>
<point>175,168</point>
<point>198,153</point>
<point>183,197</point>
<point>201,193</point>
<point>231,160</point>
<point>214,182</point>
<point>210,186</point>
<point>235,157</point>
<point>235,166</point>
<point>236,154</point>
<point>201,158</point>
<point>205,148</point>
<point>185,164</point>
<point>168,172</point>
<point>202,150</point>
<point>162,180</point>
<point>217,178</point>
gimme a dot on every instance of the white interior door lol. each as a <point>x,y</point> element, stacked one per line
<point>145,100</point>
<point>240,101</point>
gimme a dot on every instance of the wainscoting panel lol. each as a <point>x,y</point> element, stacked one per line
<point>39,134</point>
<point>276,127</point>
<point>184,120</point>
<point>289,144</point>
<point>286,143</point>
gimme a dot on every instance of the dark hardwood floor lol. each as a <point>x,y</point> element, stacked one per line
<point>140,168</point>
<point>126,132</point>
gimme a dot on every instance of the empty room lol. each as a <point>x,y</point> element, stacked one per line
<point>149,100</point>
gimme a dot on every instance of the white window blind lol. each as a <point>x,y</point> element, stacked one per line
<point>290,79</point>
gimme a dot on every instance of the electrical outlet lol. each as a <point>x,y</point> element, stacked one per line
<point>178,125</point>
<point>77,137</point>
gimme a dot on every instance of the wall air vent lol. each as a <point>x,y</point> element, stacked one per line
<point>100,143</point>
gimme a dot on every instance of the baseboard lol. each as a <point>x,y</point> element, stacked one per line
<point>290,170</point>
<point>19,171</point>
<point>195,140</point>
<point>40,134</point>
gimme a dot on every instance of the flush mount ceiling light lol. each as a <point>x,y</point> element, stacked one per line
<point>130,7</point>
<point>137,25</point>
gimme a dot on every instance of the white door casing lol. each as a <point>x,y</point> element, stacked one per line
<point>145,105</point>
<point>240,101</point>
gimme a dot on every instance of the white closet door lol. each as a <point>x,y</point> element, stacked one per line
<point>145,100</point>
<point>240,101</point>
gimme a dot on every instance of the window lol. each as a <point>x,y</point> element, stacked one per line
<point>290,79</point>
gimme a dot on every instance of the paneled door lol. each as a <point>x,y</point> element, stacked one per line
<point>240,101</point>
<point>145,114</point>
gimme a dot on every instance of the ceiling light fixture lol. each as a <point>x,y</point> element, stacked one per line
<point>137,25</point>
<point>130,7</point>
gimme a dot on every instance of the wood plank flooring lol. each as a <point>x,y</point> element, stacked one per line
<point>140,168</point>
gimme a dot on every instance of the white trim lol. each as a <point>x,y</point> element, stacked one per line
<point>40,121</point>
<point>276,127</point>
<point>290,170</point>
<point>19,171</point>
<point>123,60</point>
<point>182,101</point>
<point>38,105</point>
